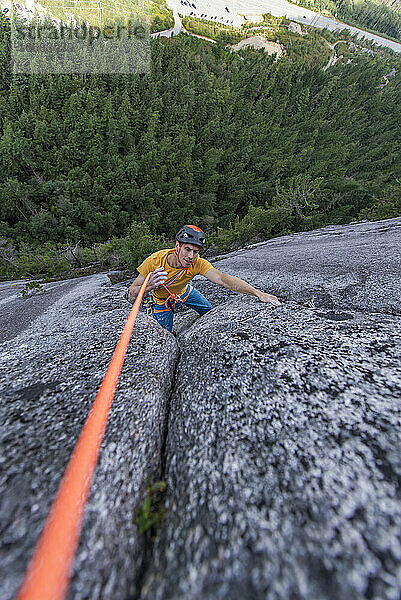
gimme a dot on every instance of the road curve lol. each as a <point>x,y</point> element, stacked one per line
<point>278,8</point>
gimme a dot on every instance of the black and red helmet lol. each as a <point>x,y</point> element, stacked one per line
<point>192,235</point>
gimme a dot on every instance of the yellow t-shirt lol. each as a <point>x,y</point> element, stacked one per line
<point>159,259</point>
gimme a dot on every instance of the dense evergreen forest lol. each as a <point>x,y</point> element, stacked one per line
<point>240,143</point>
<point>381,17</point>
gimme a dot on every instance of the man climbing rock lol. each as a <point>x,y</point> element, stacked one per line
<point>174,268</point>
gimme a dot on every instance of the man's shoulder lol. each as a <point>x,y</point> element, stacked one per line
<point>157,259</point>
<point>202,266</point>
<point>203,261</point>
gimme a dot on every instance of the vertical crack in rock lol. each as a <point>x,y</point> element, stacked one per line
<point>58,363</point>
<point>282,453</point>
<point>167,419</point>
<point>149,543</point>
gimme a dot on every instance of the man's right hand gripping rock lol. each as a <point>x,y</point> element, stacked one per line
<point>158,277</point>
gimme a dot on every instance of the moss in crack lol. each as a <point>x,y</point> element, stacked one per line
<point>149,516</point>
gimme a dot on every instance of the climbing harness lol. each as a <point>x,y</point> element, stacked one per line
<point>171,302</point>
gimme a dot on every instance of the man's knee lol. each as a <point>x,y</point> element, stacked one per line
<point>165,319</point>
<point>198,302</point>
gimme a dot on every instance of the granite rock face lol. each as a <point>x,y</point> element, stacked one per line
<point>283,458</point>
<point>284,445</point>
<point>355,266</point>
<point>50,374</point>
<point>277,430</point>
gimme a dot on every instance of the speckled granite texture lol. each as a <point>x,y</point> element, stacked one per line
<point>276,429</point>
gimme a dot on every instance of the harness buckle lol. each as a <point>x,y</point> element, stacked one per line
<point>171,302</point>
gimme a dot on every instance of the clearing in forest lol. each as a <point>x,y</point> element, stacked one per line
<point>259,42</point>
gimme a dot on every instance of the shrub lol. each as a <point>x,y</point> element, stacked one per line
<point>258,223</point>
<point>150,515</point>
<point>387,206</point>
<point>136,245</point>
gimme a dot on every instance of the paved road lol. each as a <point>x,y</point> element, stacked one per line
<point>174,30</point>
<point>217,10</point>
<point>278,8</point>
<point>308,17</point>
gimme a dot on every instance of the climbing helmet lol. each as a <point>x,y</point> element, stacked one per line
<point>192,235</point>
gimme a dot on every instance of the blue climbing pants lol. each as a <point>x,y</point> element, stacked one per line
<point>191,297</point>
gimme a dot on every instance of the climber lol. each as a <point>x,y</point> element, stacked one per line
<point>174,268</point>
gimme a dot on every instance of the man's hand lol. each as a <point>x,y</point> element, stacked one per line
<point>269,298</point>
<point>158,277</point>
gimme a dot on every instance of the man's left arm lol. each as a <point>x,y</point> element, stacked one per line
<point>235,284</point>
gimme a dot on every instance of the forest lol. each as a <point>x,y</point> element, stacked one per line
<point>246,146</point>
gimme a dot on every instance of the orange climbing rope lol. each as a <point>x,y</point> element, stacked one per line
<point>48,574</point>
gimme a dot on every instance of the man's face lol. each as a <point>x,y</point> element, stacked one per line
<point>188,253</point>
